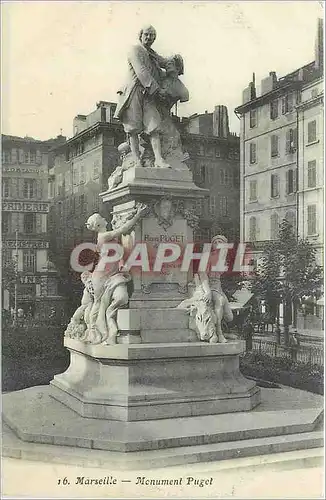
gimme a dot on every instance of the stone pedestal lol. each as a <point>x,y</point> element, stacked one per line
<point>154,381</point>
<point>170,196</point>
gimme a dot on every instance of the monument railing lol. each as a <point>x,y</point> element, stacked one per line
<point>303,354</point>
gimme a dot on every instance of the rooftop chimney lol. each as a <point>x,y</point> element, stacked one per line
<point>221,122</point>
<point>319,45</point>
<point>269,83</point>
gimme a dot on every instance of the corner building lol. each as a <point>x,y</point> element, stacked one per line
<point>25,209</point>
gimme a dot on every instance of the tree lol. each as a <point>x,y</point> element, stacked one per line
<point>287,273</point>
<point>8,275</point>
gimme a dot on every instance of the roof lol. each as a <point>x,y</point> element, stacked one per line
<point>295,79</point>
<point>26,139</point>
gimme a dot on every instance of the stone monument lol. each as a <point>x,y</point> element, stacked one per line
<point>152,353</point>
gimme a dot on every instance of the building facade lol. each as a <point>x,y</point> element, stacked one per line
<point>282,161</point>
<point>281,156</point>
<point>25,209</point>
<point>79,174</point>
<point>311,165</point>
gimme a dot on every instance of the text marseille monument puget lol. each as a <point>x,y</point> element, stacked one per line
<point>152,379</point>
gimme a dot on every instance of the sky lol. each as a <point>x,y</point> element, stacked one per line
<point>60,57</point>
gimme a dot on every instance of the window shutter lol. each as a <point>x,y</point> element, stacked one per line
<point>38,157</point>
<point>14,158</point>
<point>14,188</point>
<point>295,139</point>
<point>312,131</point>
<point>274,145</point>
<point>39,189</point>
<point>284,105</point>
<point>295,179</point>
<point>21,188</point>
<point>312,229</point>
<point>288,141</point>
<point>287,181</point>
<point>273,185</point>
<point>312,174</point>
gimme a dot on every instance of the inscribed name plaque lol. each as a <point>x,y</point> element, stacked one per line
<point>155,236</point>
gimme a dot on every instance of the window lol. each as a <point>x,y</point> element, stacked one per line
<point>79,148</point>
<point>275,191</point>
<point>6,156</point>
<point>26,290</point>
<point>274,109</point>
<point>223,205</point>
<point>312,220</point>
<point>29,261</point>
<point>201,150</point>
<point>312,131</point>
<point>253,118</point>
<point>6,222</point>
<point>291,181</point>
<point>203,173</point>
<point>29,223</point>
<point>29,188</point>
<point>252,153</point>
<point>217,153</point>
<point>291,141</point>
<point>210,174</point>
<point>274,146</point>
<point>82,203</point>
<point>253,191</point>
<point>5,188</point>
<point>287,103</point>
<point>290,217</point>
<point>67,181</point>
<point>274,226</point>
<point>199,207</point>
<point>52,287</point>
<point>7,256</point>
<point>312,179</point>
<point>75,175</point>
<point>96,169</point>
<point>212,204</point>
<point>252,229</point>
<point>226,177</point>
<point>82,174</point>
<point>32,156</point>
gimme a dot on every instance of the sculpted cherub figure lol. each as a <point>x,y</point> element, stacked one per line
<point>79,323</point>
<point>105,288</point>
<point>109,284</point>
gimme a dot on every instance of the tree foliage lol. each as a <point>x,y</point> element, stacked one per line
<point>8,275</point>
<point>287,271</point>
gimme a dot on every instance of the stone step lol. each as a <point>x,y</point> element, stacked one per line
<point>13,447</point>
<point>36,417</point>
